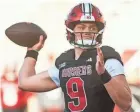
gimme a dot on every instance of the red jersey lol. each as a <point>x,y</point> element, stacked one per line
<point>11,96</point>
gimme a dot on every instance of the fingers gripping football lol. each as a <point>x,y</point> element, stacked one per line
<point>39,45</point>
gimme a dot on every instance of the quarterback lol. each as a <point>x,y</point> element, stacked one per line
<point>91,76</point>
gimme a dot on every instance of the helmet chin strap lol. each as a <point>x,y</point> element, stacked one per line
<point>86,42</point>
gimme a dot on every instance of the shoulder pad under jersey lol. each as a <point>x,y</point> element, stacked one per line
<point>110,52</point>
<point>64,57</point>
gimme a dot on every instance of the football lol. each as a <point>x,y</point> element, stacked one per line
<point>25,34</point>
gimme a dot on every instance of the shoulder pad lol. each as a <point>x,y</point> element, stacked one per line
<point>110,52</point>
<point>65,56</point>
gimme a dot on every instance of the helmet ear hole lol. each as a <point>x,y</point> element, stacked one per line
<point>72,38</point>
<point>99,38</point>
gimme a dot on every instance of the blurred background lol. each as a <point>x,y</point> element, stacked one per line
<point>122,33</point>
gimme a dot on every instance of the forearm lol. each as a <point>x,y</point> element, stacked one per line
<point>27,69</point>
<point>119,93</point>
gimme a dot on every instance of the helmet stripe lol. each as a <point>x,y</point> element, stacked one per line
<point>87,8</point>
<point>90,7</point>
<point>83,8</point>
<point>87,12</point>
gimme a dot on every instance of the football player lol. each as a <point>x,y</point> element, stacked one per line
<point>91,76</point>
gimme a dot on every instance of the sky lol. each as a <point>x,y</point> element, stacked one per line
<point>122,29</point>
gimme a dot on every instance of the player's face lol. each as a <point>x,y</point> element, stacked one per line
<point>85,31</point>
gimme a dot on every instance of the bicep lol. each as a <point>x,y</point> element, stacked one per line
<point>40,83</point>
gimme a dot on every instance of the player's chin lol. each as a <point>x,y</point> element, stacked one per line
<point>85,38</point>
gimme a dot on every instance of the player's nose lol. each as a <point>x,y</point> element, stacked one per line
<point>87,35</point>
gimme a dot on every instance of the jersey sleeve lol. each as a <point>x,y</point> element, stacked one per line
<point>114,67</point>
<point>54,74</point>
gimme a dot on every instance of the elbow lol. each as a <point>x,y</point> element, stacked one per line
<point>21,86</point>
<point>21,83</point>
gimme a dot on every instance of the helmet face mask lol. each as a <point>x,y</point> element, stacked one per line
<point>85,13</point>
<point>85,40</point>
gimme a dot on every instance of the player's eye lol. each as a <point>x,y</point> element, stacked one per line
<point>93,29</point>
<point>81,27</point>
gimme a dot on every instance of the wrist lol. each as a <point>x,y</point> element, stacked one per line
<point>32,53</point>
<point>30,49</point>
<point>105,77</point>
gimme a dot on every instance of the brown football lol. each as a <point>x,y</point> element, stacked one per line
<point>25,34</point>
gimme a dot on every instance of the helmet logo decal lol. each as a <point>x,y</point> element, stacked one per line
<point>87,17</point>
<point>87,12</point>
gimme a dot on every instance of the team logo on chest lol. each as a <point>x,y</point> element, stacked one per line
<point>77,71</point>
